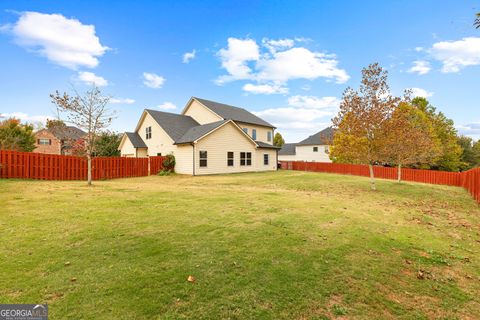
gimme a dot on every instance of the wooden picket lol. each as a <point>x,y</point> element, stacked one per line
<point>469,180</point>
<point>29,165</point>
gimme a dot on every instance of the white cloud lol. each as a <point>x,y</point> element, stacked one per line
<point>314,102</point>
<point>264,89</point>
<point>153,80</point>
<point>235,58</point>
<point>167,106</point>
<point>304,116</point>
<point>278,62</point>
<point>419,92</point>
<point>189,56</point>
<point>300,63</point>
<point>122,101</point>
<point>274,45</point>
<point>455,55</point>
<point>24,117</point>
<point>91,78</point>
<point>420,66</point>
<point>63,41</point>
<point>470,129</point>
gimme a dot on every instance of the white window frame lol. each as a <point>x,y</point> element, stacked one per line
<point>148,133</point>
<point>203,157</point>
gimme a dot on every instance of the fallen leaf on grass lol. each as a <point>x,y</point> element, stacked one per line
<point>191,279</point>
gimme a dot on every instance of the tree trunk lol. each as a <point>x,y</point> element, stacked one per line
<point>89,172</point>
<point>372,178</point>
<point>399,173</point>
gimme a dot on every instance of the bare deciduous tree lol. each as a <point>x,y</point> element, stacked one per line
<point>88,112</point>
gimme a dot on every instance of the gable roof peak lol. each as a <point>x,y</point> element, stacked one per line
<point>229,112</point>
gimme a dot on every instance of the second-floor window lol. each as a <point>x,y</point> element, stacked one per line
<point>327,149</point>
<point>44,141</point>
<point>254,134</point>
<point>269,136</point>
<point>148,133</point>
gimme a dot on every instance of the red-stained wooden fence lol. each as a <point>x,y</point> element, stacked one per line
<point>28,165</point>
<point>470,179</point>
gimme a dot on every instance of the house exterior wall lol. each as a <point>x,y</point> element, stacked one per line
<point>184,159</point>
<point>262,132</point>
<point>160,142</point>
<point>53,148</point>
<point>127,149</point>
<point>219,142</point>
<point>200,113</point>
<point>306,153</point>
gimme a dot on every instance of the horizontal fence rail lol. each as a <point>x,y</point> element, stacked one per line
<point>469,180</point>
<point>29,165</point>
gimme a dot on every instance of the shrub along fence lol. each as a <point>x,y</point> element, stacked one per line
<point>470,179</point>
<point>29,165</point>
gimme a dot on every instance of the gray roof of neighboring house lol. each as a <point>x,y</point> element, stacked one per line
<point>175,125</point>
<point>288,149</point>
<point>323,137</point>
<point>199,131</point>
<point>67,132</point>
<point>136,140</point>
<point>266,145</point>
<point>229,112</point>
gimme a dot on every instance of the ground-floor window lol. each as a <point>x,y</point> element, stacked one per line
<point>203,158</point>
<point>159,154</point>
<point>265,159</point>
<point>245,158</point>
<point>230,159</point>
<point>315,149</point>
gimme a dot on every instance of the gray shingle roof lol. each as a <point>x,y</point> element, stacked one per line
<point>323,137</point>
<point>288,149</point>
<point>199,131</point>
<point>175,125</point>
<point>136,140</point>
<point>266,145</point>
<point>67,132</point>
<point>229,112</point>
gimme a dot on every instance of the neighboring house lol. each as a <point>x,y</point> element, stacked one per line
<point>64,140</point>
<point>313,149</point>
<point>206,138</point>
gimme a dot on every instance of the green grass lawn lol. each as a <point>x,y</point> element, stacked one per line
<point>280,245</point>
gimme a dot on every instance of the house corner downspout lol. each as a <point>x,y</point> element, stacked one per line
<point>193,158</point>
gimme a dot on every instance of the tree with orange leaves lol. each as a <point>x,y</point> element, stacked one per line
<point>409,138</point>
<point>360,124</point>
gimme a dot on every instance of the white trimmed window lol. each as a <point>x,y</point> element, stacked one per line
<point>315,149</point>
<point>203,158</point>
<point>254,134</point>
<point>265,159</point>
<point>269,136</point>
<point>245,158</point>
<point>44,142</point>
<point>230,158</point>
<point>148,133</point>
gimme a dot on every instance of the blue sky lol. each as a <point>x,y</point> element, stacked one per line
<point>287,61</point>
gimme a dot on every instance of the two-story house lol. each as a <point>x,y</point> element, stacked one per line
<point>206,138</point>
<point>315,148</point>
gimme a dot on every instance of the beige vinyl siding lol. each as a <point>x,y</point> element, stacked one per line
<point>272,159</point>
<point>218,143</point>
<point>261,131</point>
<point>200,113</point>
<point>184,159</point>
<point>160,141</point>
<point>142,152</point>
<point>127,149</point>
<point>305,153</point>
